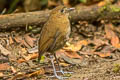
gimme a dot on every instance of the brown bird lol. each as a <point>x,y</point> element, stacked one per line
<point>55,33</point>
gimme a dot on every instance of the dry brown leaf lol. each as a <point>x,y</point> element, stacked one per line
<point>39,72</point>
<point>77,46</point>
<point>13,69</point>
<point>21,60</point>
<point>103,55</point>
<point>72,54</point>
<point>19,75</point>
<point>1,74</point>
<point>31,56</point>
<point>25,44</point>
<point>117,46</point>
<point>115,41</point>
<point>26,58</point>
<point>110,34</point>
<point>4,66</point>
<point>64,64</point>
<point>10,40</point>
<point>66,3</point>
<point>4,51</point>
<point>29,40</point>
<point>18,39</point>
<point>109,31</point>
<point>52,3</point>
<point>102,3</point>
<point>71,60</point>
<point>23,51</point>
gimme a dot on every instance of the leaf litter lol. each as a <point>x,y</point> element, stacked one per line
<point>92,52</point>
<point>22,53</point>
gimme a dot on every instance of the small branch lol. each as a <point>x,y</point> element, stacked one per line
<point>91,14</point>
<point>23,19</point>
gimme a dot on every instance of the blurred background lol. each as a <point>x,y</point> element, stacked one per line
<point>13,6</point>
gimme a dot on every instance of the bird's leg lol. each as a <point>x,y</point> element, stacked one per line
<point>60,68</point>
<point>55,73</point>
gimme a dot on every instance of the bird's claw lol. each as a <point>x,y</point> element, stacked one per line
<point>64,72</point>
<point>59,77</point>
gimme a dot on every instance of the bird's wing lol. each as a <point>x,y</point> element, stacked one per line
<point>46,40</point>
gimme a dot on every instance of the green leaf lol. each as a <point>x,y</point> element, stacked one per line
<point>44,2</point>
<point>83,1</point>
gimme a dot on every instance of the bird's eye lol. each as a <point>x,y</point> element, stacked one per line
<point>62,11</point>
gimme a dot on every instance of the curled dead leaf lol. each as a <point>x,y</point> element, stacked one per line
<point>4,66</point>
<point>64,64</point>
<point>26,58</point>
<point>39,72</point>
<point>115,41</point>
<point>29,40</point>
<point>77,46</point>
<point>110,34</point>
<point>103,55</point>
<point>1,74</point>
<point>13,69</point>
<point>31,56</point>
<point>4,51</point>
<point>72,54</point>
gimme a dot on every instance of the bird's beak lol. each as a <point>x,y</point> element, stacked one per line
<point>70,9</point>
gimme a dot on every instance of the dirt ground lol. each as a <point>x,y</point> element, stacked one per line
<point>99,70</point>
<point>92,52</point>
<point>87,62</point>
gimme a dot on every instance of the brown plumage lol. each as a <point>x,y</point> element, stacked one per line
<point>54,34</point>
<point>55,31</point>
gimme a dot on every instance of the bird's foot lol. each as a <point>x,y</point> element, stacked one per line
<point>64,72</point>
<point>59,77</point>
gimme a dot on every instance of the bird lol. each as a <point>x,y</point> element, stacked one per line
<point>54,34</point>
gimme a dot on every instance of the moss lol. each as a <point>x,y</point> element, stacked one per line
<point>102,8</point>
<point>111,8</point>
<point>114,8</point>
<point>116,68</point>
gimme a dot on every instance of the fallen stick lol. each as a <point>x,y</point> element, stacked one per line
<point>91,14</point>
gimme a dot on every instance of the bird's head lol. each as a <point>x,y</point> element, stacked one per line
<point>61,10</point>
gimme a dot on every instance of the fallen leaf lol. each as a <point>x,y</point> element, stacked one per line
<point>117,46</point>
<point>66,3</point>
<point>19,75</point>
<point>4,66</point>
<point>115,41</point>
<point>31,56</point>
<point>26,58</point>
<point>13,69</point>
<point>4,51</point>
<point>102,3</point>
<point>110,34</point>
<point>70,60</point>
<point>76,47</point>
<point>103,55</point>
<point>10,40</point>
<point>29,40</point>
<point>21,60</point>
<point>18,39</point>
<point>72,54</point>
<point>69,54</point>
<point>33,50</point>
<point>1,74</point>
<point>109,31</point>
<point>64,64</point>
<point>52,3</point>
<point>39,72</point>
